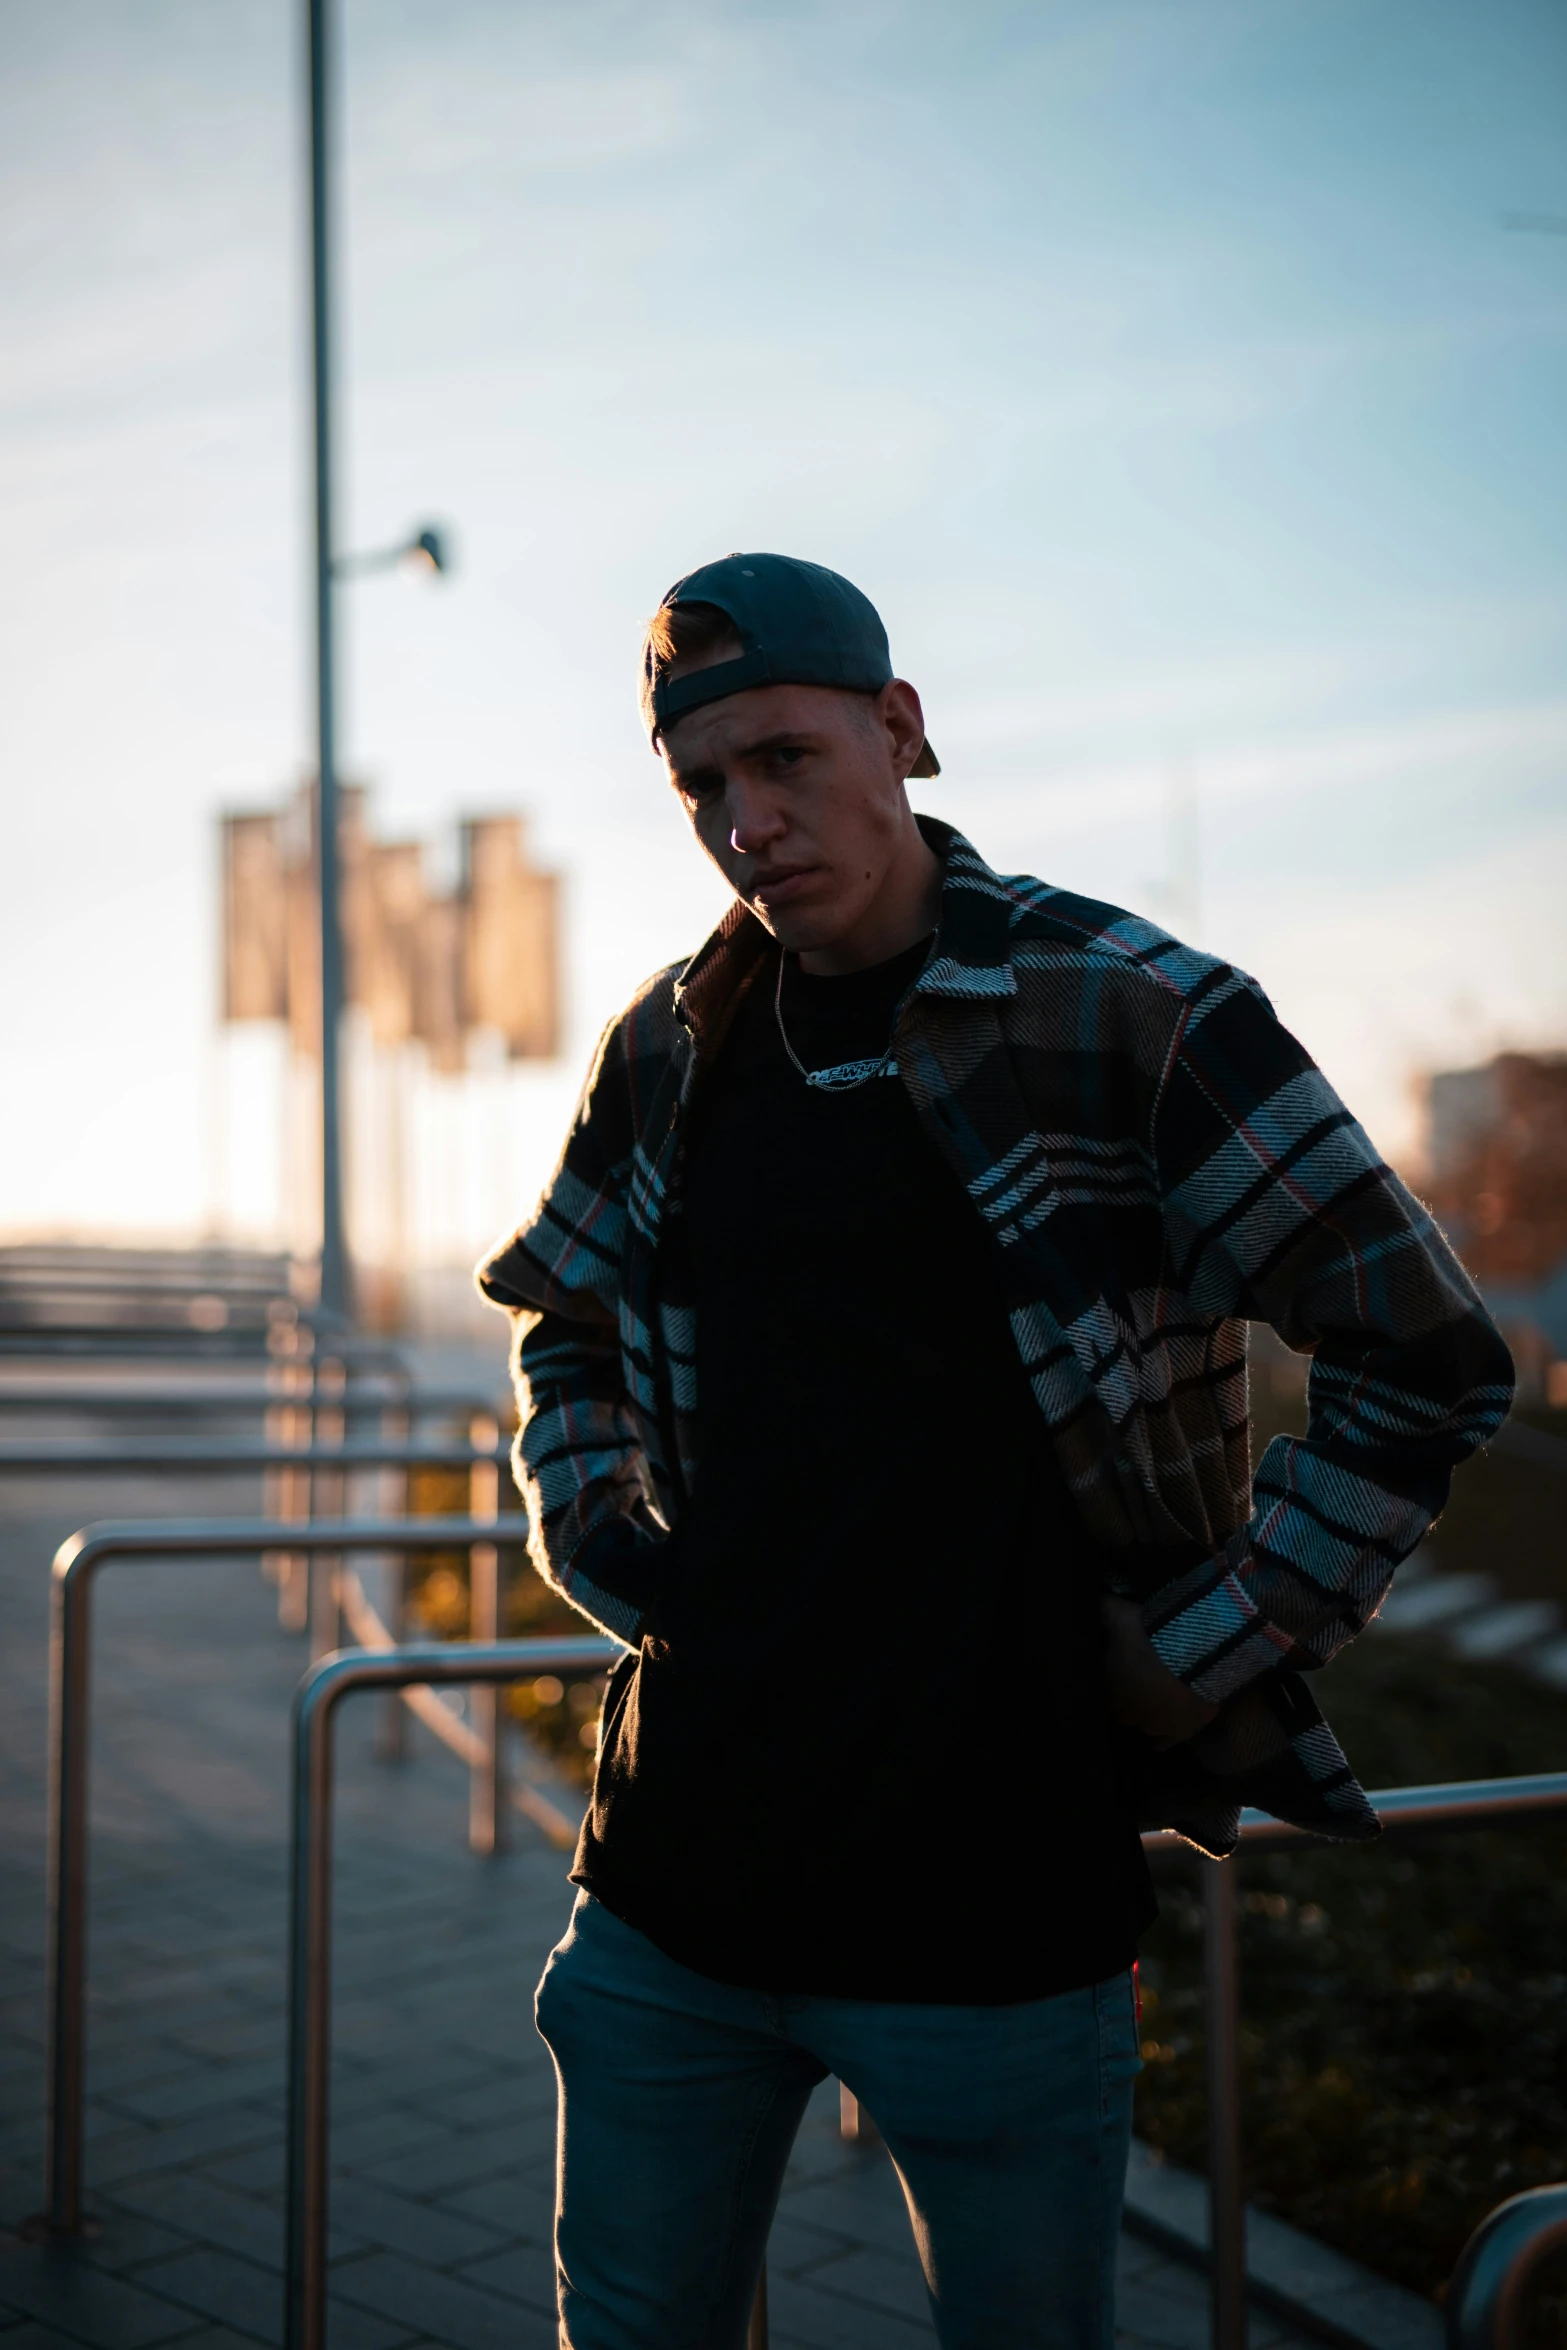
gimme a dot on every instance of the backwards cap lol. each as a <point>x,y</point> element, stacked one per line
<point>798,624</point>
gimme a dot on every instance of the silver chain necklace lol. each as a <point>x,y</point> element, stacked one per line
<point>847,1074</point>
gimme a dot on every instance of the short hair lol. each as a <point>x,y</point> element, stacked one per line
<point>678,633</point>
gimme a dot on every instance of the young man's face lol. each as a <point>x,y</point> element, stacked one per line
<point>796,793</point>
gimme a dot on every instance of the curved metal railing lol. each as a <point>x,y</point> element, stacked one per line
<point>310,1920</point>
<point>1403,1810</point>
<point>1444,1807</point>
<point>1501,2260</point>
<point>1487,2285</point>
<point>77,1564</point>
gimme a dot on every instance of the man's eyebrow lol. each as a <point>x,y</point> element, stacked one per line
<point>789,738</point>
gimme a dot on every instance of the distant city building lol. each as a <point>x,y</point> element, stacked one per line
<point>451,996</point>
<point>1496,1148</point>
<point>424,967</point>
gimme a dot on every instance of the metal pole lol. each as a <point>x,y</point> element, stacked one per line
<point>487,1779</point>
<point>854,2123</point>
<point>1226,2207</point>
<point>292,1426</point>
<point>310,1935</point>
<point>328,1499</point>
<point>69,1651</point>
<point>309,2018</point>
<point>326,1613</point>
<point>336,1299</point>
<point>391,1744</point>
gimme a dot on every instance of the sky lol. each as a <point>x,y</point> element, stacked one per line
<point>1185,381</point>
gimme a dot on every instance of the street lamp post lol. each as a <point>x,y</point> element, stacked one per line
<point>336,1302</point>
<point>429,549</point>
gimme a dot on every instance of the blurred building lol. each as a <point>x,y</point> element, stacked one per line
<point>421,964</point>
<point>446,988</point>
<point>1496,1153</point>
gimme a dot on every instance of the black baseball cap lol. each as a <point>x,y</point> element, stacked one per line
<point>799,624</point>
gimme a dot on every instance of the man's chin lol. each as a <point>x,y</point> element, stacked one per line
<point>803,930</point>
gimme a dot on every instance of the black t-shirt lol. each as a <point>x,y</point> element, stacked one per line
<point>877,1640</point>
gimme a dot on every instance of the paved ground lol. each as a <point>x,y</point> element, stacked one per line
<point>443,2101</point>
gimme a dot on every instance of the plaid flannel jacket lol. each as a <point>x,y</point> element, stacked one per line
<point>1159,1162</point>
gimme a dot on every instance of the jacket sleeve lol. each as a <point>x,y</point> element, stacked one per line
<point>577,1456</point>
<point>1278,1208</point>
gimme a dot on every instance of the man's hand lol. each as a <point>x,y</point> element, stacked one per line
<point>1144,1694</point>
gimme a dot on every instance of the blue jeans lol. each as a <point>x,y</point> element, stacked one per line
<point>680,2098</point>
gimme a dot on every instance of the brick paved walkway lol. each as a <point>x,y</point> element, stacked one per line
<point>443,2111</point>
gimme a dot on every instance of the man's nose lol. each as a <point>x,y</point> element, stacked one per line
<point>756,819</point>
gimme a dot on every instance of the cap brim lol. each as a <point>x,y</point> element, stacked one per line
<point>927,763</point>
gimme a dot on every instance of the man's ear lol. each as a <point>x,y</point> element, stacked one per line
<point>898,707</point>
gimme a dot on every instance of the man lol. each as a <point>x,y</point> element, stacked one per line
<point>880,1348</point>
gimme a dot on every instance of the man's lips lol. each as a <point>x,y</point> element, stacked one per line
<point>781,886</point>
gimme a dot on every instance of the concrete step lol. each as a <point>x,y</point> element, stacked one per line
<point>1510,1629</point>
<point>1433,1602</point>
<point>1474,1621</point>
<point>1317,2290</point>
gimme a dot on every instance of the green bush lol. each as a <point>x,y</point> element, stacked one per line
<point>1404,2004</point>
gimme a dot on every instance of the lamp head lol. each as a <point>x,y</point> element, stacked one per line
<point>429,549</point>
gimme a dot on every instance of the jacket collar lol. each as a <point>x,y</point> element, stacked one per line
<point>970,959</point>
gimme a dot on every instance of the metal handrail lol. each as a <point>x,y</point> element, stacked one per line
<point>202,1456</point>
<point>33,1337</point>
<point>1445,1803</point>
<point>1442,1807</point>
<point>76,1563</point>
<point>310,1924</point>
<point>207,1396</point>
<point>196,1456</point>
<point>1402,1810</point>
<point>1499,2263</point>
